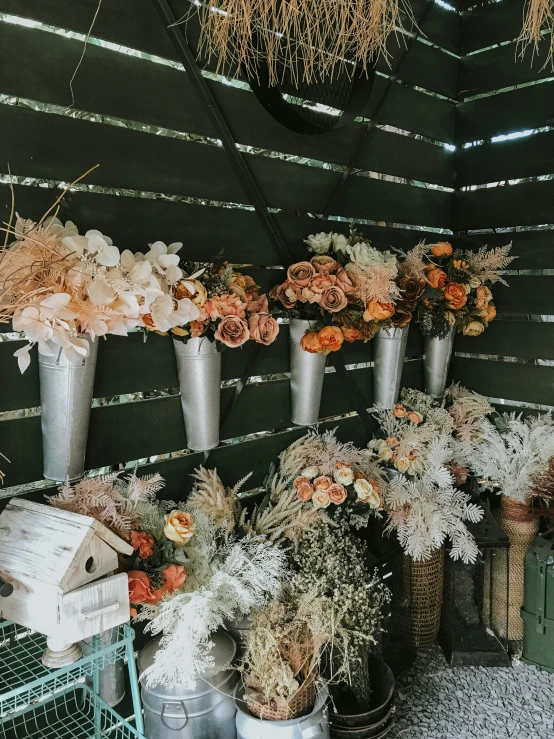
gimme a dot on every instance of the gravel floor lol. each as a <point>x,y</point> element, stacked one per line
<point>435,701</point>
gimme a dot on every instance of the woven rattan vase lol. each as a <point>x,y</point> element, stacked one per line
<point>279,709</point>
<point>521,534</point>
<point>423,586</point>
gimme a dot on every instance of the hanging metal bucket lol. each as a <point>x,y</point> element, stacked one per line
<point>205,712</point>
<point>313,726</point>
<point>112,676</point>
<point>199,369</point>
<point>436,363</point>
<point>388,362</point>
<point>65,398</point>
<point>307,372</point>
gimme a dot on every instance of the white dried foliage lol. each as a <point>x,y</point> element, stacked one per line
<point>508,454</point>
<point>414,262</point>
<point>226,579</point>
<point>467,409</point>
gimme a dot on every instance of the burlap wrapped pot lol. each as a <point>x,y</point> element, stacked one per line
<point>423,588</point>
<point>280,709</point>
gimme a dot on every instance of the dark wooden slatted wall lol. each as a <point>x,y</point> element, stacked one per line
<point>499,94</point>
<point>136,114</point>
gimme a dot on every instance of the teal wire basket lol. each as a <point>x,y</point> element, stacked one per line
<point>74,713</point>
<point>24,680</point>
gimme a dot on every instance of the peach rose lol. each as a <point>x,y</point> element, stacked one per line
<point>174,576</point>
<point>140,588</point>
<point>324,264</point>
<point>322,282</point>
<point>415,417</point>
<point>179,527</point>
<point>322,483</point>
<point>441,249</point>
<point>399,411</point>
<point>299,481</point>
<point>331,338</point>
<point>333,300</point>
<point>310,342</point>
<point>258,304</point>
<point>308,295</point>
<point>376,311</point>
<point>232,331</point>
<point>350,334</point>
<point>483,297</point>
<point>436,277</point>
<point>336,493</point>
<point>320,499</point>
<point>304,492</point>
<point>301,273</point>
<point>223,305</point>
<point>263,328</point>
<point>473,328</point>
<point>489,313</point>
<point>346,281</point>
<point>143,543</point>
<point>287,294</point>
<point>455,295</point>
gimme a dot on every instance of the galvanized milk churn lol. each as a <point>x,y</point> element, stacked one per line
<point>205,712</point>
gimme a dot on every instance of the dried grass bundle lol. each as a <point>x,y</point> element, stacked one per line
<point>309,38</point>
<point>538,18</point>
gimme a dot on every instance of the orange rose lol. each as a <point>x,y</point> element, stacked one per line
<point>174,576</point>
<point>460,264</point>
<point>351,334</point>
<point>322,483</point>
<point>436,277</point>
<point>415,417</point>
<point>483,296</point>
<point>399,411</point>
<point>336,493</point>
<point>455,295</point>
<point>304,492</point>
<point>299,481</point>
<point>143,543</point>
<point>331,338</point>
<point>179,527</point>
<point>442,249</point>
<point>301,273</point>
<point>140,588</point>
<point>376,311</point>
<point>310,342</point>
<point>489,313</point>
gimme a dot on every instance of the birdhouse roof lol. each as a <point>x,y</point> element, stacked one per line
<point>42,542</point>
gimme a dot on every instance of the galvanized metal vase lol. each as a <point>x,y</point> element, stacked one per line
<point>199,369</point>
<point>388,361</point>
<point>65,399</point>
<point>436,363</point>
<point>112,675</point>
<point>307,372</point>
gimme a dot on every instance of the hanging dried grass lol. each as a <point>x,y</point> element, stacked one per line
<point>309,39</point>
<point>538,18</point>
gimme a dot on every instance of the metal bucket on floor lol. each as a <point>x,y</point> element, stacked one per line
<point>199,370</point>
<point>65,399</point>
<point>307,372</point>
<point>205,712</point>
<point>313,726</point>
<point>388,362</point>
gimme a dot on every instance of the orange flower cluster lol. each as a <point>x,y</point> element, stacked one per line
<point>323,490</point>
<point>142,591</point>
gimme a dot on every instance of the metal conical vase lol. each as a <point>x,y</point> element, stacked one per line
<point>436,363</point>
<point>65,398</point>
<point>388,361</point>
<point>199,369</point>
<point>307,372</point>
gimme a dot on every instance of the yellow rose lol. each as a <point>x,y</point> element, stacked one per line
<point>344,476</point>
<point>473,328</point>
<point>320,499</point>
<point>179,527</point>
<point>385,453</point>
<point>402,464</point>
<point>201,294</point>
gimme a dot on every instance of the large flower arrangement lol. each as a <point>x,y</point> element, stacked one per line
<point>458,291</point>
<point>347,290</point>
<point>424,504</point>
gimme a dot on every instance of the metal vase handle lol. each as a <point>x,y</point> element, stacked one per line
<point>167,707</point>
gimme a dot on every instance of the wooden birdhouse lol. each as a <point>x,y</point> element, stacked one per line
<point>61,566</point>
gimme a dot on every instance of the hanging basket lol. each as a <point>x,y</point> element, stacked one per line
<point>522,533</point>
<point>307,372</point>
<point>280,709</point>
<point>199,370</point>
<point>388,361</point>
<point>65,398</point>
<point>424,588</point>
<point>436,363</point>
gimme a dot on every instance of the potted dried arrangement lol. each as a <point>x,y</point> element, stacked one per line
<point>63,290</point>
<point>457,299</point>
<point>509,454</point>
<point>227,311</point>
<point>424,505</point>
<point>346,292</point>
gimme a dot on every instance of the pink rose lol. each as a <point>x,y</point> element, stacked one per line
<point>258,305</point>
<point>301,273</point>
<point>346,281</point>
<point>324,264</point>
<point>232,331</point>
<point>263,328</point>
<point>287,293</point>
<point>333,300</point>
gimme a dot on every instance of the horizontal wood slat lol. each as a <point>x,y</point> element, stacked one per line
<point>55,147</point>
<point>157,96</point>
<point>532,248</point>
<point>511,205</point>
<point>130,365</point>
<point>526,295</point>
<point>525,157</point>
<point>120,433</point>
<point>516,110</point>
<point>491,24</point>
<point>524,339</point>
<point>505,379</point>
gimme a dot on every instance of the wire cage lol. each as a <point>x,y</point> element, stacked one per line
<point>73,713</point>
<point>474,623</point>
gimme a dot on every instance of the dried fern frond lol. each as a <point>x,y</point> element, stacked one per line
<point>212,497</point>
<point>486,262</point>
